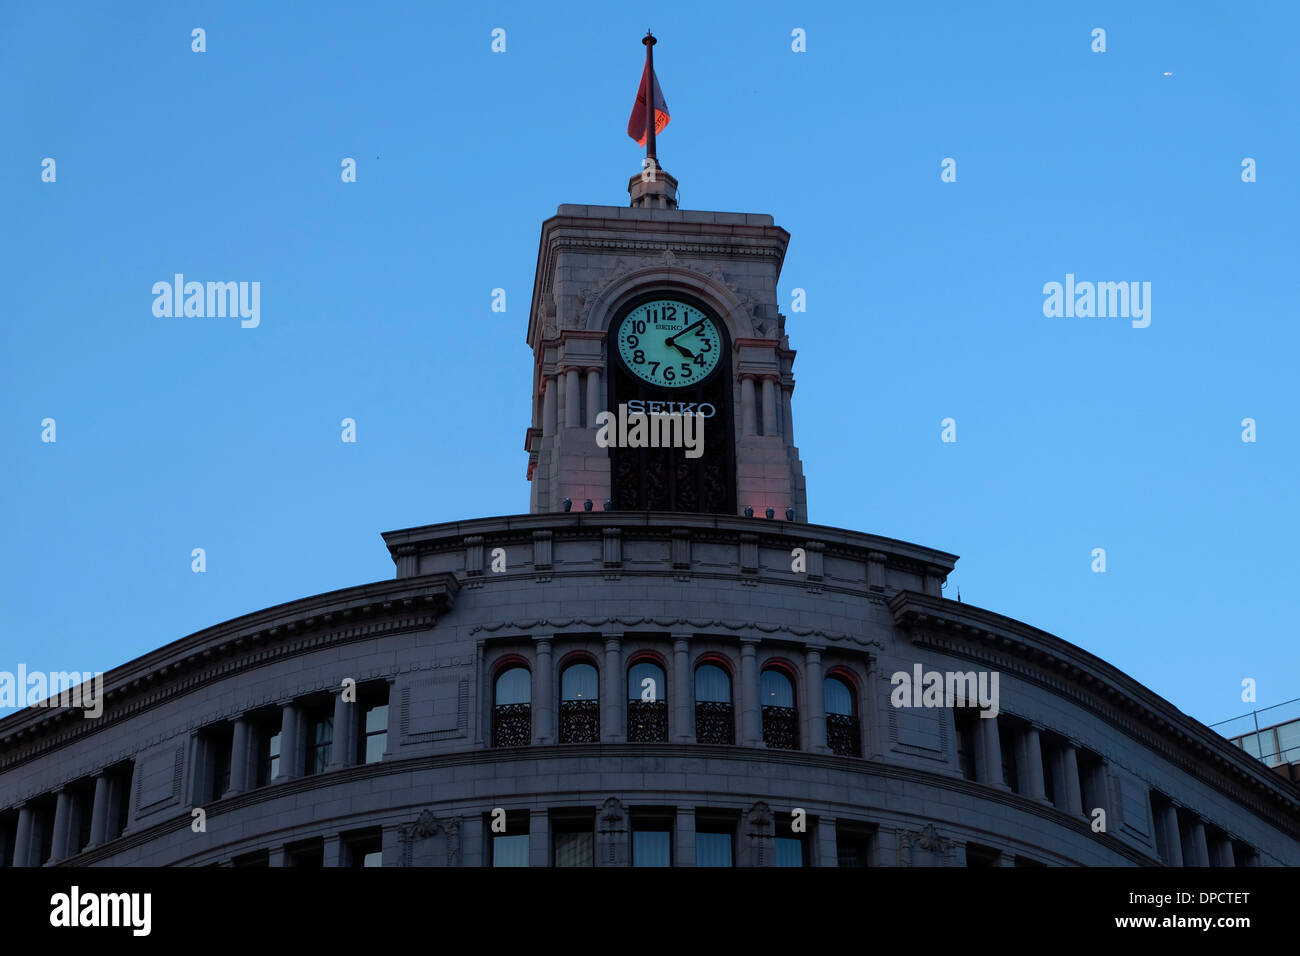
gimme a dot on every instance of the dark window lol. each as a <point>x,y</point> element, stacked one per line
<point>791,848</point>
<point>43,827</point>
<point>715,721</point>
<point>374,731</point>
<point>320,742</point>
<point>83,804</point>
<point>213,771</point>
<point>977,855</point>
<point>268,750</point>
<point>510,848</point>
<point>363,848</point>
<point>579,705</point>
<point>1049,774</point>
<point>715,841</point>
<point>842,731</point>
<point>8,835</point>
<point>852,847</point>
<point>1090,781</point>
<point>1007,742</point>
<point>256,858</point>
<point>573,839</point>
<point>964,719</point>
<point>652,847</point>
<point>120,778</point>
<point>780,719</point>
<point>647,703</point>
<point>309,853</point>
<point>512,721</point>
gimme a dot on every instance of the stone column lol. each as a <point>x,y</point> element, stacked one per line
<point>543,705</point>
<point>751,725</point>
<point>99,812</point>
<point>1070,779</point>
<point>595,404</point>
<point>23,836</point>
<point>290,759</point>
<point>988,752</point>
<point>787,414</point>
<point>1226,856</point>
<point>1030,767</point>
<point>342,747</point>
<point>769,405</point>
<point>749,424</point>
<point>1196,851</point>
<point>572,398</point>
<point>684,851</point>
<point>240,757</point>
<point>812,657</point>
<point>548,406</point>
<point>63,818</point>
<point>539,838</point>
<point>828,853</point>
<point>614,691</point>
<point>683,693</point>
<point>333,856</point>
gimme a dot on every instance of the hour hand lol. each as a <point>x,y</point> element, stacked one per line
<point>685,351</point>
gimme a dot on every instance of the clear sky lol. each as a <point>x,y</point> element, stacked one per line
<point>924,298</point>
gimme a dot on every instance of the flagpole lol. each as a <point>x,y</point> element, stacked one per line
<point>649,42</point>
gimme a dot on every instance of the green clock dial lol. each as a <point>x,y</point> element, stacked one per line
<point>669,344</point>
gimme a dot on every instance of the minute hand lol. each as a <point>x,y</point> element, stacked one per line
<point>695,325</point>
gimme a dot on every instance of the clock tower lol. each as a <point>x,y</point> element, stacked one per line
<point>648,308</point>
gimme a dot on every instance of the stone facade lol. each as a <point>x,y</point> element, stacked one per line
<point>614,589</point>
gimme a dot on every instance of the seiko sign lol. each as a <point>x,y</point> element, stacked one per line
<point>672,408</point>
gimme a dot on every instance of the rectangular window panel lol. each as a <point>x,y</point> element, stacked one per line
<point>651,848</point>
<point>510,850</point>
<point>575,849</point>
<point>376,733</point>
<point>789,851</point>
<point>713,849</point>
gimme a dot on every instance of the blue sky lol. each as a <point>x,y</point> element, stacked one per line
<point>924,298</point>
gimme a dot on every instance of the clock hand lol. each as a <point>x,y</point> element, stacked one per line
<point>672,339</point>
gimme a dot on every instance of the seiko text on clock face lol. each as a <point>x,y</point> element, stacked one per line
<point>669,344</point>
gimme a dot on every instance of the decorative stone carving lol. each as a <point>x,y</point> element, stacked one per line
<point>415,852</point>
<point>759,831</point>
<point>612,847</point>
<point>925,847</point>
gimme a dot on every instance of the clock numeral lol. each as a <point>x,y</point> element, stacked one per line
<point>639,326</point>
<point>670,313</point>
<point>699,360</point>
<point>707,346</point>
<point>687,370</point>
<point>633,341</point>
<point>654,368</point>
<point>638,358</point>
<point>670,373</point>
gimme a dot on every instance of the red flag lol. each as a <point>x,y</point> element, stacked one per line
<point>636,122</point>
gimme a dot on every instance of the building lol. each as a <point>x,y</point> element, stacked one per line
<point>663,663</point>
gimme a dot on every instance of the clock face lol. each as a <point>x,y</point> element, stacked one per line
<point>669,344</point>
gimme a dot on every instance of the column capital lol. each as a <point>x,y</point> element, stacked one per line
<point>768,377</point>
<point>589,369</point>
<point>613,639</point>
<point>544,641</point>
<point>749,376</point>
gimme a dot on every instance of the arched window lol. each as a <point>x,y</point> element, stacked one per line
<point>842,734</point>
<point>647,703</point>
<point>579,704</point>
<point>780,718</point>
<point>715,721</point>
<point>512,718</point>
